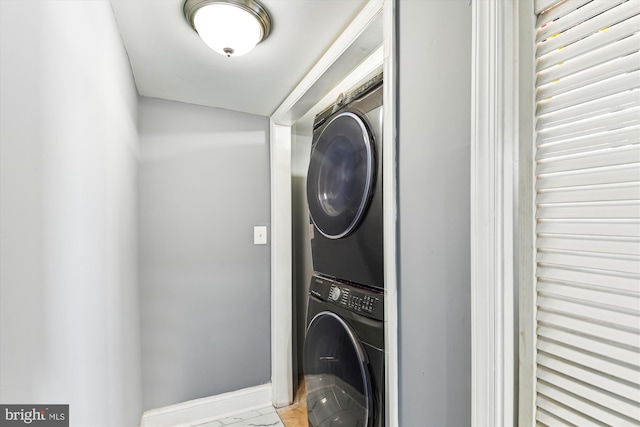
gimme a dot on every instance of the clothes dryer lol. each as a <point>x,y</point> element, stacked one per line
<point>344,187</point>
<point>344,355</point>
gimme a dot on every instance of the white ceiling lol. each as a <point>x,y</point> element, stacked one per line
<point>170,61</point>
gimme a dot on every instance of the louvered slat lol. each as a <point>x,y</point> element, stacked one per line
<point>623,264</point>
<point>559,10</point>
<point>613,138</point>
<point>593,193</point>
<point>598,314</point>
<point>607,105</point>
<point>611,34</point>
<point>584,406</point>
<point>596,57</point>
<point>608,227</point>
<point>594,346</point>
<point>623,407</point>
<point>582,79</point>
<point>587,375</point>
<point>568,20</point>
<point>620,291</point>
<point>606,244</point>
<point>615,210</point>
<point>603,365</point>
<point>545,419</point>
<point>584,29</point>
<point>596,176</point>
<point>629,117</point>
<point>561,415</point>
<point>590,159</point>
<point>603,332</point>
<point>542,5</point>
<point>601,89</point>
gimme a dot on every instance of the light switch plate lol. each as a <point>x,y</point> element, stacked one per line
<point>260,235</point>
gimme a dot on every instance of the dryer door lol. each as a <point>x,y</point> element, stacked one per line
<point>336,374</point>
<point>341,175</point>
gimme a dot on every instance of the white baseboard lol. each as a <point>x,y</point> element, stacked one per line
<point>207,409</point>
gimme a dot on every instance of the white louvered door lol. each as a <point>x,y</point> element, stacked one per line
<point>587,212</point>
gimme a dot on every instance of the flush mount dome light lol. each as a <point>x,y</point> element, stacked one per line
<point>230,27</point>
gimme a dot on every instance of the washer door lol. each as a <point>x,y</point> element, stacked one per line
<point>341,175</point>
<point>336,375</point>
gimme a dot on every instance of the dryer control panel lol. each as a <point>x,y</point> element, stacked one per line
<point>349,296</point>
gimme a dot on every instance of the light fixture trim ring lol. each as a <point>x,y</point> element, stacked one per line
<point>191,7</point>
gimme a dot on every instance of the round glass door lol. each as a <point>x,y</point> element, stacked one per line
<point>336,375</point>
<point>341,172</point>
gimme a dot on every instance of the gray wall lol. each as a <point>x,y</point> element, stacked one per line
<point>205,287</point>
<point>68,249</point>
<point>434,73</point>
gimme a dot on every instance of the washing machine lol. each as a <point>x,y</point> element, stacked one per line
<point>344,355</point>
<point>344,187</point>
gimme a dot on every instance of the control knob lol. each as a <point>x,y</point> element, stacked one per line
<point>334,294</point>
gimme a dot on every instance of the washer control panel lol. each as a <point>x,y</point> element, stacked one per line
<point>349,296</point>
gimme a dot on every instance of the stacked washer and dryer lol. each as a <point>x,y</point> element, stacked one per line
<point>344,342</point>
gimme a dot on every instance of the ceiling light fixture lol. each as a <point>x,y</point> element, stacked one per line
<point>230,27</point>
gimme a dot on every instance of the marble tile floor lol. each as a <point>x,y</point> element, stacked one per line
<point>263,417</point>
<point>294,415</point>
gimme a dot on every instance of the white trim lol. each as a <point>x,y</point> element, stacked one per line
<point>493,150</point>
<point>526,217</point>
<point>207,409</point>
<point>390,225</point>
<point>356,43</point>
<point>281,266</point>
<point>288,112</point>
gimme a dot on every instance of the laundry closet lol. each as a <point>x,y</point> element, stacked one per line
<point>338,252</point>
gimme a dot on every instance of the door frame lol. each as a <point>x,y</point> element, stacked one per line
<point>502,212</point>
<point>492,191</point>
<point>335,64</point>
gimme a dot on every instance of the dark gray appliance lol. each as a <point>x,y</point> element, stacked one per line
<point>344,187</point>
<point>344,355</point>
